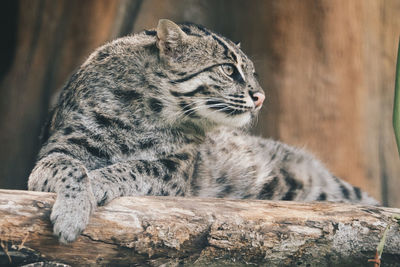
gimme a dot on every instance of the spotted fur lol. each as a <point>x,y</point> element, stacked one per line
<point>164,112</point>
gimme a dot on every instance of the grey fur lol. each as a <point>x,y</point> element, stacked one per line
<point>164,112</point>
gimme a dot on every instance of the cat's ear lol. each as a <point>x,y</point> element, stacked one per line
<point>169,36</point>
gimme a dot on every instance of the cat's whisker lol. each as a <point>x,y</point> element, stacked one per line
<point>188,112</point>
<point>191,111</point>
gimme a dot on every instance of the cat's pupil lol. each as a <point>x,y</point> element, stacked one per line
<point>228,69</point>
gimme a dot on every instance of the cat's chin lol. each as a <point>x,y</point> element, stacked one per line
<point>237,121</point>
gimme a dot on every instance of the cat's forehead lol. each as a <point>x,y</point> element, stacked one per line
<point>230,50</point>
<point>233,53</point>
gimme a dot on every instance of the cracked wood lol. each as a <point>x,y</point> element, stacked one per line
<point>157,230</point>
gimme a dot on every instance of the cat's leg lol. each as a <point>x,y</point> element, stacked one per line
<point>301,177</point>
<point>240,166</point>
<point>79,191</point>
<point>167,176</point>
<point>75,200</point>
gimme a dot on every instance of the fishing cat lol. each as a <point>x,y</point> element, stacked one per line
<point>164,112</point>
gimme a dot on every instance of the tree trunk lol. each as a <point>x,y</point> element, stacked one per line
<point>200,232</point>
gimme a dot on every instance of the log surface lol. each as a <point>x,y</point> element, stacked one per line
<point>150,231</point>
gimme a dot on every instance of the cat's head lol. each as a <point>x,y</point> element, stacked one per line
<point>212,78</point>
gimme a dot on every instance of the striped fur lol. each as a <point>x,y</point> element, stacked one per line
<point>164,112</point>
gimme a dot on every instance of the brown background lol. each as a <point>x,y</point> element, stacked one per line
<point>327,68</point>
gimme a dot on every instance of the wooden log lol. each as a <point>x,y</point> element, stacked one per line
<point>199,232</point>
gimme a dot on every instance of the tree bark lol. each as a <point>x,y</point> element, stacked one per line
<point>150,231</point>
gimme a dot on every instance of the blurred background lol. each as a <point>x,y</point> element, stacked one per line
<point>327,68</point>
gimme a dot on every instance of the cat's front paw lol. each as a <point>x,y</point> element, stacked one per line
<point>70,217</point>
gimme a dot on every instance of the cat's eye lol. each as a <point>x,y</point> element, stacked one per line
<point>228,69</point>
<point>231,71</point>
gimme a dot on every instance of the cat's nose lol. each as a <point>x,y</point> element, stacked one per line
<point>258,98</point>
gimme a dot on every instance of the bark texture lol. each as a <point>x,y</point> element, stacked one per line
<point>150,231</point>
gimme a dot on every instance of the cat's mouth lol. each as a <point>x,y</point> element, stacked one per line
<point>237,113</point>
<point>237,104</point>
<point>230,108</point>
